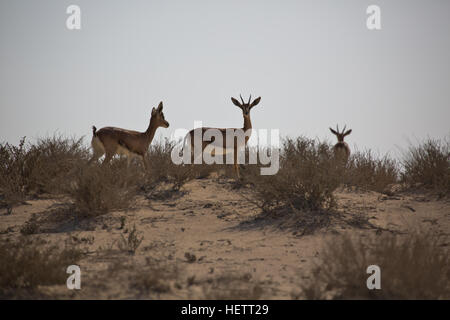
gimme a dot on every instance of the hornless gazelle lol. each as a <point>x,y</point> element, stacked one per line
<point>341,148</point>
<point>111,141</point>
<point>241,135</point>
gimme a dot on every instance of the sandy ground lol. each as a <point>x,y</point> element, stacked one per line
<point>210,241</point>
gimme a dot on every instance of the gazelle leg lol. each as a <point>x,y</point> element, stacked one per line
<point>144,161</point>
<point>236,165</point>
<point>95,157</point>
<point>97,150</point>
<point>107,159</point>
<point>198,157</point>
<point>236,169</point>
<point>192,156</point>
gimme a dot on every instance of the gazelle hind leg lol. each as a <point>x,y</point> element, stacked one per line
<point>95,157</point>
<point>107,159</point>
<point>97,148</point>
<point>197,158</point>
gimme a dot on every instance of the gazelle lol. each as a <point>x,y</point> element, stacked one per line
<point>237,143</point>
<point>341,148</point>
<point>111,141</point>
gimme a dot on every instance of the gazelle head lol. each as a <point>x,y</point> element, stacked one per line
<point>340,135</point>
<point>157,117</point>
<point>246,107</point>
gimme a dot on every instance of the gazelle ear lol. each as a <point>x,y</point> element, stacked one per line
<point>348,132</point>
<point>160,106</point>
<point>236,103</point>
<point>255,102</point>
<point>334,132</point>
<point>153,111</point>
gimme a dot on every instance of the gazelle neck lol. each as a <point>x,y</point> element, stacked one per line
<point>247,123</point>
<point>151,130</point>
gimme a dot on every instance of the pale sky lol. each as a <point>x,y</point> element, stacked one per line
<point>314,63</point>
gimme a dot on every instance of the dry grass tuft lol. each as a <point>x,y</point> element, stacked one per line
<point>163,170</point>
<point>370,173</point>
<point>12,178</point>
<point>156,280</point>
<point>27,264</point>
<point>38,168</point>
<point>99,189</point>
<point>428,165</point>
<point>415,266</point>
<point>232,287</point>
<point>30,227</point>
<point>306,180</point>
<point>131,243</point>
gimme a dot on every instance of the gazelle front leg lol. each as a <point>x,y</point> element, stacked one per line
<point>236,165</point>
<point>145,162</point>
<point>236,169</point>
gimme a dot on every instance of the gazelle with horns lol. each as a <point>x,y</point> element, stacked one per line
<point>237,143</point>
<point>111,141</point>
<point>341,148</point>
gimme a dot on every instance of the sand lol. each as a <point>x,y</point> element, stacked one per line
<point>210,239</point>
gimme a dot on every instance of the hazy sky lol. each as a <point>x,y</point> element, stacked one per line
<point>314,63</point>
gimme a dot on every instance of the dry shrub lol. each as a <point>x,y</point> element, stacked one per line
<point>53,160</point>
<point>428,165</point>
<point>30,227</point>
<point>370,173</point>
<point>38,168</point>
<point>160,160</point>
<point>162,169</point>
<point>57,165</point>
<point>12,178</point>
<point>415,266</point>
<point>156,279</point>
<point>25,265</point>
<point>307,177</point>
<point>181,174</point>
<point>99,189</point>
<point>131,243</point>
<point>232,287</point>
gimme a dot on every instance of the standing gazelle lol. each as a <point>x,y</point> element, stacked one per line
<point>111,141</point>
<point>341,148</point>
<point>238,144</point>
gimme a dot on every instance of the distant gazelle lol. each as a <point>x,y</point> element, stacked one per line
<point>341,148</point>
<point>238,144</point>
<point>111,141</point>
